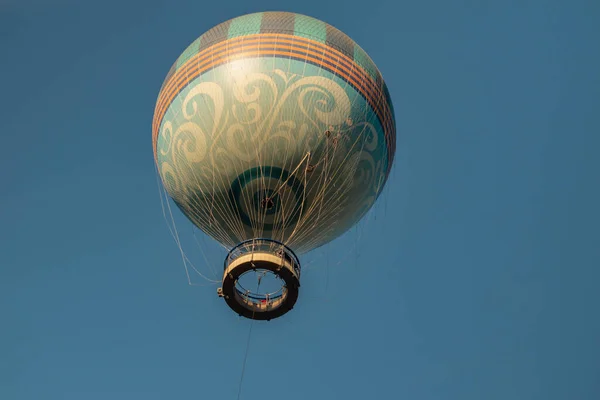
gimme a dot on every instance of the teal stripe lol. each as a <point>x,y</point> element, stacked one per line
<point>310,28</point>
<point>245,25</point>
<point>362,59</point>
<point>191,50</point>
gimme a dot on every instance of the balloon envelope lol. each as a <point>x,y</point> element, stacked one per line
<point>274,125</point>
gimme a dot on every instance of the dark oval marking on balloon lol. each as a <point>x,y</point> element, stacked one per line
<point>252,174</point>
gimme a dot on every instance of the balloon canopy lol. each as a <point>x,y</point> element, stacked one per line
<point>274,125</point>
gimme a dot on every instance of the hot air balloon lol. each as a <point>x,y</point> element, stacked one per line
<point>274,133</point>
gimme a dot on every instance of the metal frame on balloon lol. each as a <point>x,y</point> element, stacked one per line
<point>267,255</point>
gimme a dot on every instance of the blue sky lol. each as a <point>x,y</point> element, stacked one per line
<point>475,276</point>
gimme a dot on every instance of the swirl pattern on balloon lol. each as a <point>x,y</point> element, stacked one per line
<point>255,142</point>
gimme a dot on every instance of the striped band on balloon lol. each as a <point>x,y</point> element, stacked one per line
<point>287,46</point>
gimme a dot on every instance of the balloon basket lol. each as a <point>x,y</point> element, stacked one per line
<point>277,270</point>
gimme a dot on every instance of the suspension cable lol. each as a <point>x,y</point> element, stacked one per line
<point>247,347</point>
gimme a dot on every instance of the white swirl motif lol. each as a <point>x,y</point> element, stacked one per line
<point>221,129</point>
<point>193,145</point>
<point>253,96</point>
<point>170,178</point>
<point>166,135</point>
<point>339,103</point>
<point>185,149</point>
<point>214,92</point>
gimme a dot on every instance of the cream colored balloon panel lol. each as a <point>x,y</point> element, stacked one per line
<point>284,148</point>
